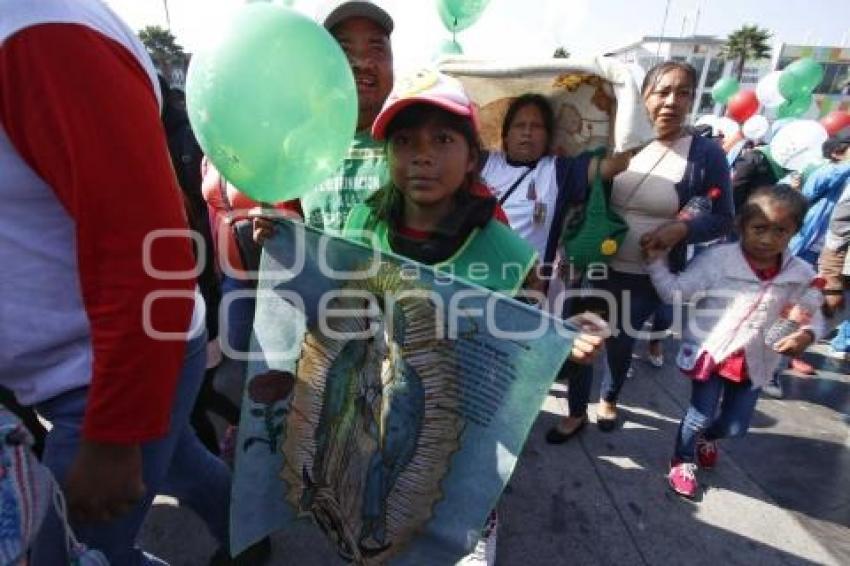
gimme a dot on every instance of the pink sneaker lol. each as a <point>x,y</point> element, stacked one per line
<point>682,478</point>
<point>706,453</point>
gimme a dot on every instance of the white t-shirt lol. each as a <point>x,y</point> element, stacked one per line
<point>645,196</point>
<point>537,189</point>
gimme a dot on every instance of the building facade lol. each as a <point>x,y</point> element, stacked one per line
<point>703,52</point>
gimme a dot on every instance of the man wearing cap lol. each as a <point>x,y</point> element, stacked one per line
<point>363,30</point>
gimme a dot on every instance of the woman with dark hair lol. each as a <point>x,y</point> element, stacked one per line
<point>535,188</point>
<point>665,175</point>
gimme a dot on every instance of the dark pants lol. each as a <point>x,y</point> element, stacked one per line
<point>635,300</point>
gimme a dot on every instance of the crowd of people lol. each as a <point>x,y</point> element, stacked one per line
<point>89,146</point>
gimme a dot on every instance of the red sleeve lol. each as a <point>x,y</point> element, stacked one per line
<point>81,111</point>
<point>482,190</point>
<point>499,214</point>
<point>291,206</point>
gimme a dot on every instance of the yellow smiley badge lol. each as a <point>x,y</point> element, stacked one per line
<point>608,247</point>
<point>420,81</point>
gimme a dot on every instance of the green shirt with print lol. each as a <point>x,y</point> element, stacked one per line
<point>363,172</point>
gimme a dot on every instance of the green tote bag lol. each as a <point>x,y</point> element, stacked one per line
<point>596,235</point>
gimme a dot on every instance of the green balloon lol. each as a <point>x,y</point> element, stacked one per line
<point>795,107</point>
<point>460,14</point>
<point>800,77</point>
<point>724,89</point>
<point>273,103</point>
<point>809,71</point>
<point>450,47</point>
<point>791,86</point>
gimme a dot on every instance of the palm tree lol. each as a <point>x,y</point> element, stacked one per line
<point>163,48</point>
<point>167,15</point>
<point>561,53</point>
<point>746,44</point>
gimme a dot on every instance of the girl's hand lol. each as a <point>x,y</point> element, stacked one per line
<point>264,221</point>
<point>795,344</point>
<point>593,331</point>
<point>263,229</point>
<point>652,254</point>
<point>664,237</point>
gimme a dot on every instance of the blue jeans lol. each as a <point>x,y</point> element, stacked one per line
<point>177,465</point>
<point>841,342</point>
<point>238,318</point>
<point>635,300</point>
<point>736,411</point>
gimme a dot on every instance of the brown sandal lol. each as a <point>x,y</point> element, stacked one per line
<point>558,434</point>
<point>606,416</point>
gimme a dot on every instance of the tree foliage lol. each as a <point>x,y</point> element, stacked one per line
<point>749,43</point>
<point>162,46</point>
<point>561,53</point>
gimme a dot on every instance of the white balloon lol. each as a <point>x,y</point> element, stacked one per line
<point>727,126</point>
<point>706,119</point>
<point>798,144</point>
<point>767,90</point>
<point>777,125</point>
<point>755,127</point>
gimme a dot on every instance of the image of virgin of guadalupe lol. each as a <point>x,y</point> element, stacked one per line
<point>374,421</point>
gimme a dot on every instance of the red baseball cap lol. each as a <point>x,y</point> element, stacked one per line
<point>424,87</point>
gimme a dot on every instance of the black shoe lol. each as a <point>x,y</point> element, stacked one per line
<point>555,436</point>
<point>255,555</point>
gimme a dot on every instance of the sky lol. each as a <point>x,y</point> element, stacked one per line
<point>529,29</point>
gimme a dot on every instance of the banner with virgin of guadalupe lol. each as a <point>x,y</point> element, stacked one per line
<point>386,402</point>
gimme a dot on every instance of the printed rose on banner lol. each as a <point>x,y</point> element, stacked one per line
<point>269,389</point>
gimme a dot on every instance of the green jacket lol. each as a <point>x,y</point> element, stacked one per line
<point>493,257</point>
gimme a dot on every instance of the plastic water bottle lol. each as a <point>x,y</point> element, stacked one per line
<point>699,205</point>
<point>794,316</point>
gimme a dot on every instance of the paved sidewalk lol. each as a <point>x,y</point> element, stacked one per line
<point>778,496</point>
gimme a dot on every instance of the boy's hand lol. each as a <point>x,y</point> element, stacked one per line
<point>795,344</point>
<point>105,481</point>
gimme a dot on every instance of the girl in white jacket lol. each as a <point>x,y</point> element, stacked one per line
<point>739,291</point>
